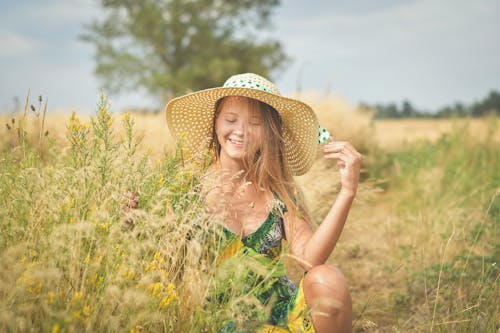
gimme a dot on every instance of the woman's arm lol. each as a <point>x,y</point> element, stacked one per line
<point>314,248</point>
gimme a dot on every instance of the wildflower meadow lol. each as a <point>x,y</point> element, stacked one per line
<point>99,234</point>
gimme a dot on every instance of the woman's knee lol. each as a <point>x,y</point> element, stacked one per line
<point>326,282</point>
<point>327,276</point>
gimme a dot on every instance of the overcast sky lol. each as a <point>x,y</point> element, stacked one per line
<point>431,52</point>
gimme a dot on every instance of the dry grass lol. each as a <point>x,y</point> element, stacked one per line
<point>394,134</point>
<point>418,248</point>
<point>342,119</point>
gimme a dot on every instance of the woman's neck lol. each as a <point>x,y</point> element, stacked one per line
<point>231,174</point>
<point>231,166</point>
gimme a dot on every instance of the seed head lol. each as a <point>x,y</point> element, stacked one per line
<point>128,223</point>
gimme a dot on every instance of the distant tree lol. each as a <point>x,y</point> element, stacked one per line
<point>490,104</point>
<point>444,112</point>
<point>460,110</point>
<point>385,111</point>
<point>408,110</point>
<point>456,110</point>
<point>168,47</point>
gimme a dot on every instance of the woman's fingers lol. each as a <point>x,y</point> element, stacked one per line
<point>342,147</point>
<point>337,146</point>
<point>343,152</point>
<point>335,156</point>
<point>349,161</point>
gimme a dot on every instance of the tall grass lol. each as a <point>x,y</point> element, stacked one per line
<point>420,249</point>
<point>75,257</point>
<point>442,205</point>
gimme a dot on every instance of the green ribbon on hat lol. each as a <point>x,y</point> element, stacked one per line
<point>323,135</point>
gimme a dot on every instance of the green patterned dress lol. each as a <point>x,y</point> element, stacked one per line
<point>288,308</point>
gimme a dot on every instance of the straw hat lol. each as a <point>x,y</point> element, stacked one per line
<point>190,117</point>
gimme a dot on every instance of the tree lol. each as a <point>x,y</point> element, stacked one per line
<point>490,104</point>
<point>407,110</point>
<point>168,47</point>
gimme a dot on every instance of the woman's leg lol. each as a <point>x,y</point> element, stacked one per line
<point>327,293</point>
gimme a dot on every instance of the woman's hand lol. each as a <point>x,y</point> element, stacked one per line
<point>349,162</point>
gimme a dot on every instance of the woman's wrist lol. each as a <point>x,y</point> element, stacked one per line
<point>348,192</point>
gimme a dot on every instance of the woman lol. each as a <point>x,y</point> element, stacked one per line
<point>260,139</point>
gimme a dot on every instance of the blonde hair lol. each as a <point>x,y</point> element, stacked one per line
<point>268,169</point>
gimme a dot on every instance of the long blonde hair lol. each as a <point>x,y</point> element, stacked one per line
<point>268,169</point>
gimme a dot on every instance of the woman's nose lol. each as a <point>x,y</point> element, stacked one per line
<point>240,128</point>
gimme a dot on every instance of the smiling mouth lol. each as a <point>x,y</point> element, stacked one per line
<point>236,142</point>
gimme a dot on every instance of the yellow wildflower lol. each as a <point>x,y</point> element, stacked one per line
<point>156,264</point>
<point>35,288</point>
<point>137,329</point>
<point>86,311</point>
<point>55,328</point>
<point>126,116</point>
<point>166,301</point>
<point>76,315</point>
<point>129,274</point>
<point>158,257</point>
<point>51,298</point>
<point>155,289</point>
<point>77,297</point>
<point>170,297</point>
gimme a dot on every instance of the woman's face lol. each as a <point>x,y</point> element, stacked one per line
<point>239,128</point>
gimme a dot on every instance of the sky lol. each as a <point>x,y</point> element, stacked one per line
<point>430,52</point>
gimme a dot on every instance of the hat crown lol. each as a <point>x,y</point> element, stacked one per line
<point>251,81</point>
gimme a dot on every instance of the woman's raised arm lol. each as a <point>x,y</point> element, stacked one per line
<point>314,248</point>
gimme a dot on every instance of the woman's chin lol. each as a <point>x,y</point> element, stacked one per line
<point>237,156</point>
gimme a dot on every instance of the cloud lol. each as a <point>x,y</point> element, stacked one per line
<point>14,44</point>
<point>429,51</point>
<point>56,13</point>
<point>400,25</point>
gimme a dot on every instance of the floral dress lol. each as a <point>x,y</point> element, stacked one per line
<point>289,312</point>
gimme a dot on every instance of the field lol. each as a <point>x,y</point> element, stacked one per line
<point>420,248</point>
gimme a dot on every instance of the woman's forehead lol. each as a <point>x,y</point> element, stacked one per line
<point>239,104</point>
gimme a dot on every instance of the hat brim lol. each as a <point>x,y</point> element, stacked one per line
<point>190,119</point>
